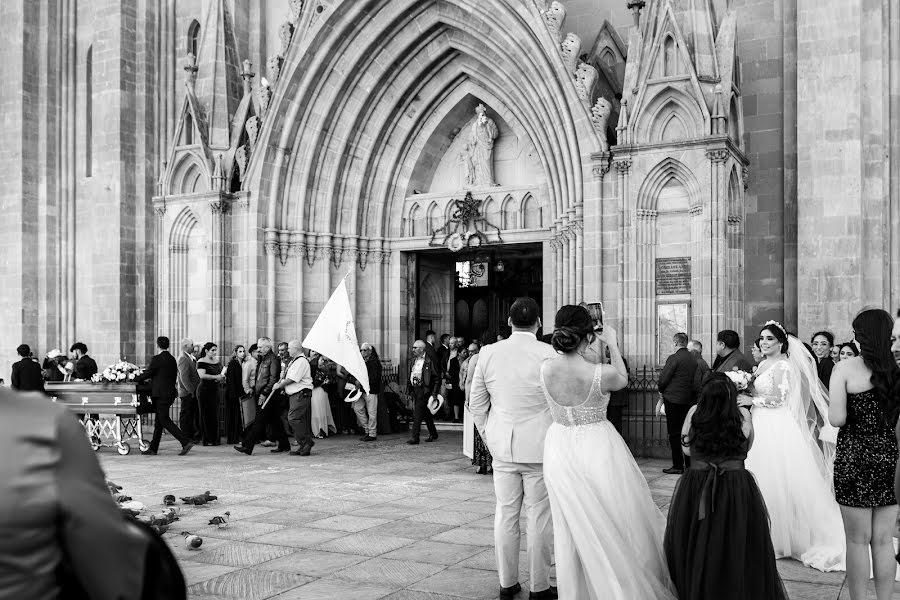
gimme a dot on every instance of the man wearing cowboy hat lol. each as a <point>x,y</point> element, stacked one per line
<point>424,383</point>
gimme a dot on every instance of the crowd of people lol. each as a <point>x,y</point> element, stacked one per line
<point>29,375</point>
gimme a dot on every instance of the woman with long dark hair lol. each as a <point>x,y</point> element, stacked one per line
<point>234,391</point>
<point>847,350</point>
<point>717,540</point>
<point>793,452</point>
<point>210,369</point>
<point>865,402</point>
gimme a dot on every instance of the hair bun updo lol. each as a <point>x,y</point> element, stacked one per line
<point>571,326</point>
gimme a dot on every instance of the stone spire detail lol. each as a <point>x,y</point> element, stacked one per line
<point>219,83</point>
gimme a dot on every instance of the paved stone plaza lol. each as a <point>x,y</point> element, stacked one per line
<point>354,520</point>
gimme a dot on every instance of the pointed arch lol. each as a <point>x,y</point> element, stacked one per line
<point>189,175</point>
<point>186,267</point>
<point>490,210</point>
<point>657,115</point>
<point>414,228</point>
<point>509,213</point>
<point>673,129</point>
<point>433,218</point>
<point>669,57</point>
<point>667,171</point>
<point>192,40</point>
<point>530,213</point>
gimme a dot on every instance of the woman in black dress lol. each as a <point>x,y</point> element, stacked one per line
<point>211,379</point>
<point>234,391</point>
<point>865,401</point>
<point>717,539</point>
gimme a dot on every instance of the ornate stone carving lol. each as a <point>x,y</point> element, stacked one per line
<point>717,156</point>
<point>600,118</point>
<point>190,68</point>
<point>646,213</point>
<point>554,17</point>
<point>265,96</point>
<point>570,49</point>
<point>219,206</point>
<point>481,148</point>
<point>247,75</point>
<point>284,251</point>
<point>745,176</point>
<point>271,247</point>
<point>734,220</point>
<point>585,80</point>
<point>286,33</point>
<point>623,165</point>
<point>273,68</point>
<point>296,8</point>
<point>242,158</point>
<point>160,208</point>
<point>252,127</point>
<point>696,210</point>
<point>385,257</point>
<point>362,258</point>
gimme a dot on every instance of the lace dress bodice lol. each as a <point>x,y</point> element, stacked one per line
<point>770,390</point>
<point>589,412</point>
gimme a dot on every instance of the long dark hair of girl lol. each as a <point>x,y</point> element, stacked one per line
<point>872,329</point>
<point>716,425</point>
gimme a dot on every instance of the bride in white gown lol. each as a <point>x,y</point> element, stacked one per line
<point>608,533</point>
<point>792,469</point>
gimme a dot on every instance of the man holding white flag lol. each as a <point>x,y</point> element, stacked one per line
<point>334,335</point>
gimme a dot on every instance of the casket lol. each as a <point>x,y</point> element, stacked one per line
<point>110,411</point>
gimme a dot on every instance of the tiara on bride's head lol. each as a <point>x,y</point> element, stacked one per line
<point>776,324</point>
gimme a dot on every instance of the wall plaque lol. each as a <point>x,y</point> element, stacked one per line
<point>673,276</point>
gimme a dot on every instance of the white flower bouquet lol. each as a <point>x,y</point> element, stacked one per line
<point>740,379</point>
<point>118,373</point>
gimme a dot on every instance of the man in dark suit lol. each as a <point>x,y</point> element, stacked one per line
<point>188,382</point>
<point>163,371</point>
<point>268,373</point>
<point>695,347</point>
<point>728,355</point>
<point>26,374</point>
<point>676,384</point>
<point>424,382</point>
<point>85,367</point>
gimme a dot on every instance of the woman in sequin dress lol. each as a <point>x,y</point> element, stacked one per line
<point>717,539</point>
<point>607,530</point>
<point>793,473</point>
<point>865,394</point>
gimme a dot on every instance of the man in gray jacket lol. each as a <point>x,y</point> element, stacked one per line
<point>188,382</point>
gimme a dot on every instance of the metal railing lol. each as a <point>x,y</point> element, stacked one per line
<point>644,432</point>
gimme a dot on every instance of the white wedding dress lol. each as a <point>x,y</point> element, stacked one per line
<point>608,533</point>
<point>793,474</point>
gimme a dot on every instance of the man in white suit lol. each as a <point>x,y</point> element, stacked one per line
<point>512,415</point>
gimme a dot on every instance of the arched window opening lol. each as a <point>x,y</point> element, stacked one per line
<point>188,130</point>
<point>193,37</point>
<point>89,112</point>
<point>670,57</point>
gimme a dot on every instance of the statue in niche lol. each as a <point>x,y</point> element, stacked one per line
<point>481,148</point>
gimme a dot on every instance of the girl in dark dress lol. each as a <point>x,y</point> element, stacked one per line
<point>717,539</point>
<point>211,379</point>
<point>234,391</point>
<point>865,400</point>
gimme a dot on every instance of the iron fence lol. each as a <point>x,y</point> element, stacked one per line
<point>644,432</point>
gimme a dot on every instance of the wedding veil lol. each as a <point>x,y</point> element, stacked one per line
<point>808,403</point>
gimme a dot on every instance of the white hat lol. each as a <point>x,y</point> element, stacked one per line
<point>435,403</point>
<point>55,353</point>
<point>353,396</point>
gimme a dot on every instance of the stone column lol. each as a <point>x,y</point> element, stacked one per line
<point>700,289</point>
<point>163,289</point>
<point>625,239</point>
<point>719,243</point>
<point>218,208</point>
<point>271,249</point>
<point>298,250</point>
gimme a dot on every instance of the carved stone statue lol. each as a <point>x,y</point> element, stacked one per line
<point>466,159</point>
<point>554,18</point>
<point>600,117</point>
<point>481,148</point>
<point>570,49</point>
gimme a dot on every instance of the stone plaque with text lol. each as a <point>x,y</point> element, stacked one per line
<point>673,276</point>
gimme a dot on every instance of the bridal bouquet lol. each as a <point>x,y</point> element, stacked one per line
<point>121,371</point>
<point>740,379</point>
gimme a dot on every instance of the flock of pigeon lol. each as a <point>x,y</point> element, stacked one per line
<point>160,522</point>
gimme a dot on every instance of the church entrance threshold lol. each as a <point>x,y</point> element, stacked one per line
<point>468,293</point>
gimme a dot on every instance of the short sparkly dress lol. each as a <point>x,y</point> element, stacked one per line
<point>866,455</point>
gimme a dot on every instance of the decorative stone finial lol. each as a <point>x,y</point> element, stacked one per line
<point>218,183</point>
<point>296,8</point>
<point>190,67</point>
<point>622,126</point>
<point>247,75</point>
<point>554,17</point>
<point>585,81</point>
<point>273,68</point>
<point>635,6</point>
<point>719,116</point>
<point>286,33</point>
<point>242,158</point>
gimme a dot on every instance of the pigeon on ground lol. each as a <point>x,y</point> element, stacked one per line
<point>192,541</point>
<point>195,500</point>
<point>220,521</point>
<point>122,498</point>
<point>209,497</point>
<point>113,487</point>
<point>169,500</point>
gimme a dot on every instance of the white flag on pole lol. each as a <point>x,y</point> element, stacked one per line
<point>334,335</point>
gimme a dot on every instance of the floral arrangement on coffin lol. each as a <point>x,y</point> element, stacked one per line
<point>119,372</point>
<point>740,379</point>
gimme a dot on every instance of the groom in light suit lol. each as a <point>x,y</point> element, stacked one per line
<point>512,416</point>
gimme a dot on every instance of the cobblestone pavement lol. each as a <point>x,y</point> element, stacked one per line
<point>354,520</point>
